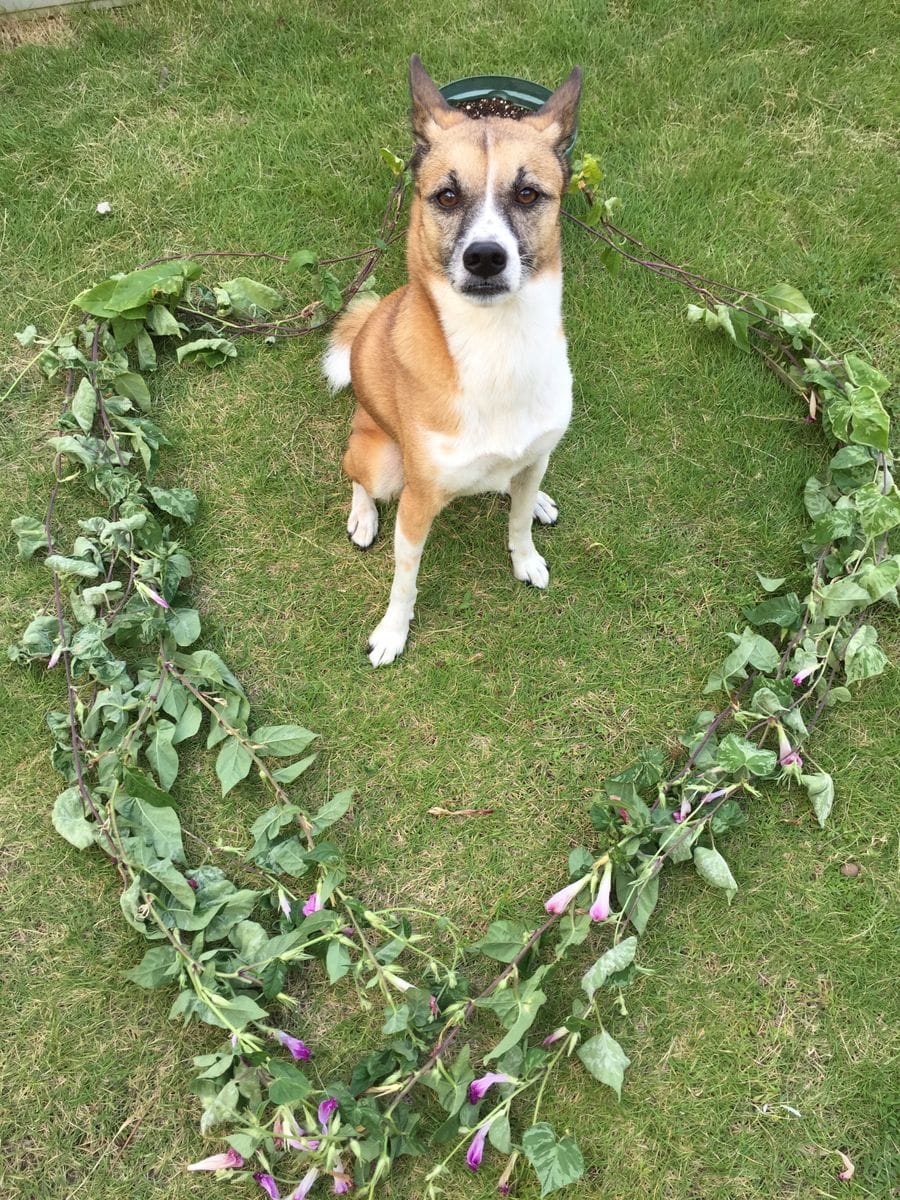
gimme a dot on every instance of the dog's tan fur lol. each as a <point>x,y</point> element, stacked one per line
<point>405,378</point>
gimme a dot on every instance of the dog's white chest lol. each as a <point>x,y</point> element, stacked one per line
<point>515,396</point>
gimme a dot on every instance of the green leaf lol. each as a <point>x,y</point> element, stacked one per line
<point>841,597</point>
<point>289,1085</point>
<point>606,1060</point>
<point>768,584</point>
<point>503,940</point>
<point>154,968</point>
<point>530,1002</point>
<point>879,578</point>
<point>713,869</point>
<point>784,611</point>
<point>31,534</point>
<point>69,820</point>
<point>330,812</point>
<point>396,164</point>
<point>815,499</point>
<point>146,351</point>
<point>222,1108</point>
<point>851,467</point>
<point>736,754</point>
<point>820,789</point>
<point>499,1133</point>
<point>300,259</point>
<point>84,405</point>
<point>787,299</point>
<point>330,291</point>
<point>289,774</point>
<point>870,422</point>
<point>162,322</point>
<point>136,783</point>
<point>27,336</point>
<point>281,740</point>
<point>878,512</point>
<point>863,658</point>
<point>337,960</point>
<point>250,298</point>
<point>233,764</point>
<point>637,897</point>
<point>617,958</point>
<point>161,754</point>
<point>557,1161</point>
<point>212,351</point>
<point>863,375</point>
<point>134,387</point>
<point>72,566</point>
<point>178,502</point>
<point>157,825</point>
<point>183,624</point>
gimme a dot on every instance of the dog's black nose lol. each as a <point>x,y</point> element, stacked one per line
<point>484,259</point>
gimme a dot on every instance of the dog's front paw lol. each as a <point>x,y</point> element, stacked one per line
<point>362,526</point>
<point>546,510</point>
<point>386,643</point>
<point>531,568</point>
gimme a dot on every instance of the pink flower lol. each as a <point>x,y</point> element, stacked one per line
<point>475,1153</point>
<point>677,818</point>
<point>555,1036</point>
<point>787,755</point>
<point>804,673</point>
<point>298,1049</point>
<point>599,910</point>
<point>229,1161</point>
<point>312,905</point>
<point>268,1185</point>
<point>503,1185</point>
<point>156,597</point>
<point>433,1005</point>
<point>301,1191</point>
<point>282,1132</point>
<point>623,814</point>
<point>284,904</point>
<point>560,901</point>
<point>54,658</point>
<point>326,1108</point>
<point>849,1169</point>
<point>342,1181</point>
<point>478,1088</point>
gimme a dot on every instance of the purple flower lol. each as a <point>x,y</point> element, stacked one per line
<point>297,1048</point>
<point>555,1036</point>
<point>54,658</point>
<point>710,796</point>
<point>301,1191</point>
<point>787,755</point>
<point>478,1088</point>
<point>433,1005</point>
<point>342,1181</point>
<point>475,1152</point>
<point>156,597</point>
<point>229,1161</point>
<point>677,818</point>
<point>599,910</point>
<point>326,1108</point>
<point>560,901</point>
<point>284,904</point>
<point>503,1185</point>
<point>312,905</point>
<point>268,1185</point>
<point>803,673</point>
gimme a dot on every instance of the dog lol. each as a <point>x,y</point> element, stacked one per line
<point>461,377</point>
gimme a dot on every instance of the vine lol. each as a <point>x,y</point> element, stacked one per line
<point>137,688</point>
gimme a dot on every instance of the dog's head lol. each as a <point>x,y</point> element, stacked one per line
<point>487,192</point>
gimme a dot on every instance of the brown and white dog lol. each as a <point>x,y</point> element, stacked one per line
<point>462,376</point>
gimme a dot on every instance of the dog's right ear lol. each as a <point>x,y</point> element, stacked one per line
<point>430,111</point>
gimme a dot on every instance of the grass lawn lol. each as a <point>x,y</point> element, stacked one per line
<point>751,140</point>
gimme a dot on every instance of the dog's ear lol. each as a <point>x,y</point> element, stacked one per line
<point>557,116</point>
<point>430,111</point>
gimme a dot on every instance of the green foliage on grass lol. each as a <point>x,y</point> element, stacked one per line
<point>740,140</point>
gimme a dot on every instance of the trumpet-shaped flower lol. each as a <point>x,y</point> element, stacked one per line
<point>343,1183</point>
<point>312,905</point>
<point>560,901</point>
<point>326,1108</point>
<point>268,1185</point>
<point>298,1048</point>
<point>475,1153</point>
<point>302,1190</point>
<point>230,1160</point>
<point>478,1088</point>
<point>803,674</point>
<point>599,910</point>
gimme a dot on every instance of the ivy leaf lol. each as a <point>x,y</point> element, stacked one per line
<point>300,259</point>
<point>72,566</point>
<point>157,825</point>
<point>557,1161</point>
<point>870,422</point>
<point>178,502</point>
<point>503,940</point>
<point>250,298</point>
<point>232,764</point>
<point>736,754</point>
<point>222,1108</point>
<point>136,783</point>
<point>212,351</point>
<point>713,869</point>
<point>84,405</point>
<point>606,1060</point>
<point>638,898</point>
<point>863,658</point>
<point>880,578</point>
<point>786,299</point>
<point>820,789</point>
<point>183,624</point>
<point>878,512</point>
<point>530,1002</point>
<point>154,968</point>
<point>161,321</point>
<point>161,754</point>
<point>617,958</point>
<point>337,961</point>
<point>863,375</point>
<point>135,388</point>
<point>289,1085</point>
<point>840,597</point>
<point>281,740</point>
<point>815,499</point>
<point>69,820</point>
<point>851,467</point>
<point>499,1133</point>
<point>784,611</point>
<point>31,534</point>
<point>768,584</point>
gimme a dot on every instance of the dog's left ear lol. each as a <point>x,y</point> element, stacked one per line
<point>430,111</point>
<point>557,116</point>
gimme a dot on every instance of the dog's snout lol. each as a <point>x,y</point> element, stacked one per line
<point>484,259</point>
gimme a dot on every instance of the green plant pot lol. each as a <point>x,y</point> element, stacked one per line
<point>506,87</point>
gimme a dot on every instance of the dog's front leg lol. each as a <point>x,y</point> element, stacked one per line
<point>528,565</point>
<point>415,513</point>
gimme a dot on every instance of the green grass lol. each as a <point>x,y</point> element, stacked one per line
<point>752,141</point>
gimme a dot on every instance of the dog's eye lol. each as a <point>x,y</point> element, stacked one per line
<point>448,198</point>
<point>526,196</point>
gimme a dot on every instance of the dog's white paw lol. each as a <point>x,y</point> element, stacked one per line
<point>387,641</point>
<point>531,568</point>
<point>546,510</point>
<point>362,524</point>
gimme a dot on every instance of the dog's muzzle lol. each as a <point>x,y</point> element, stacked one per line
<point>484,259</point>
